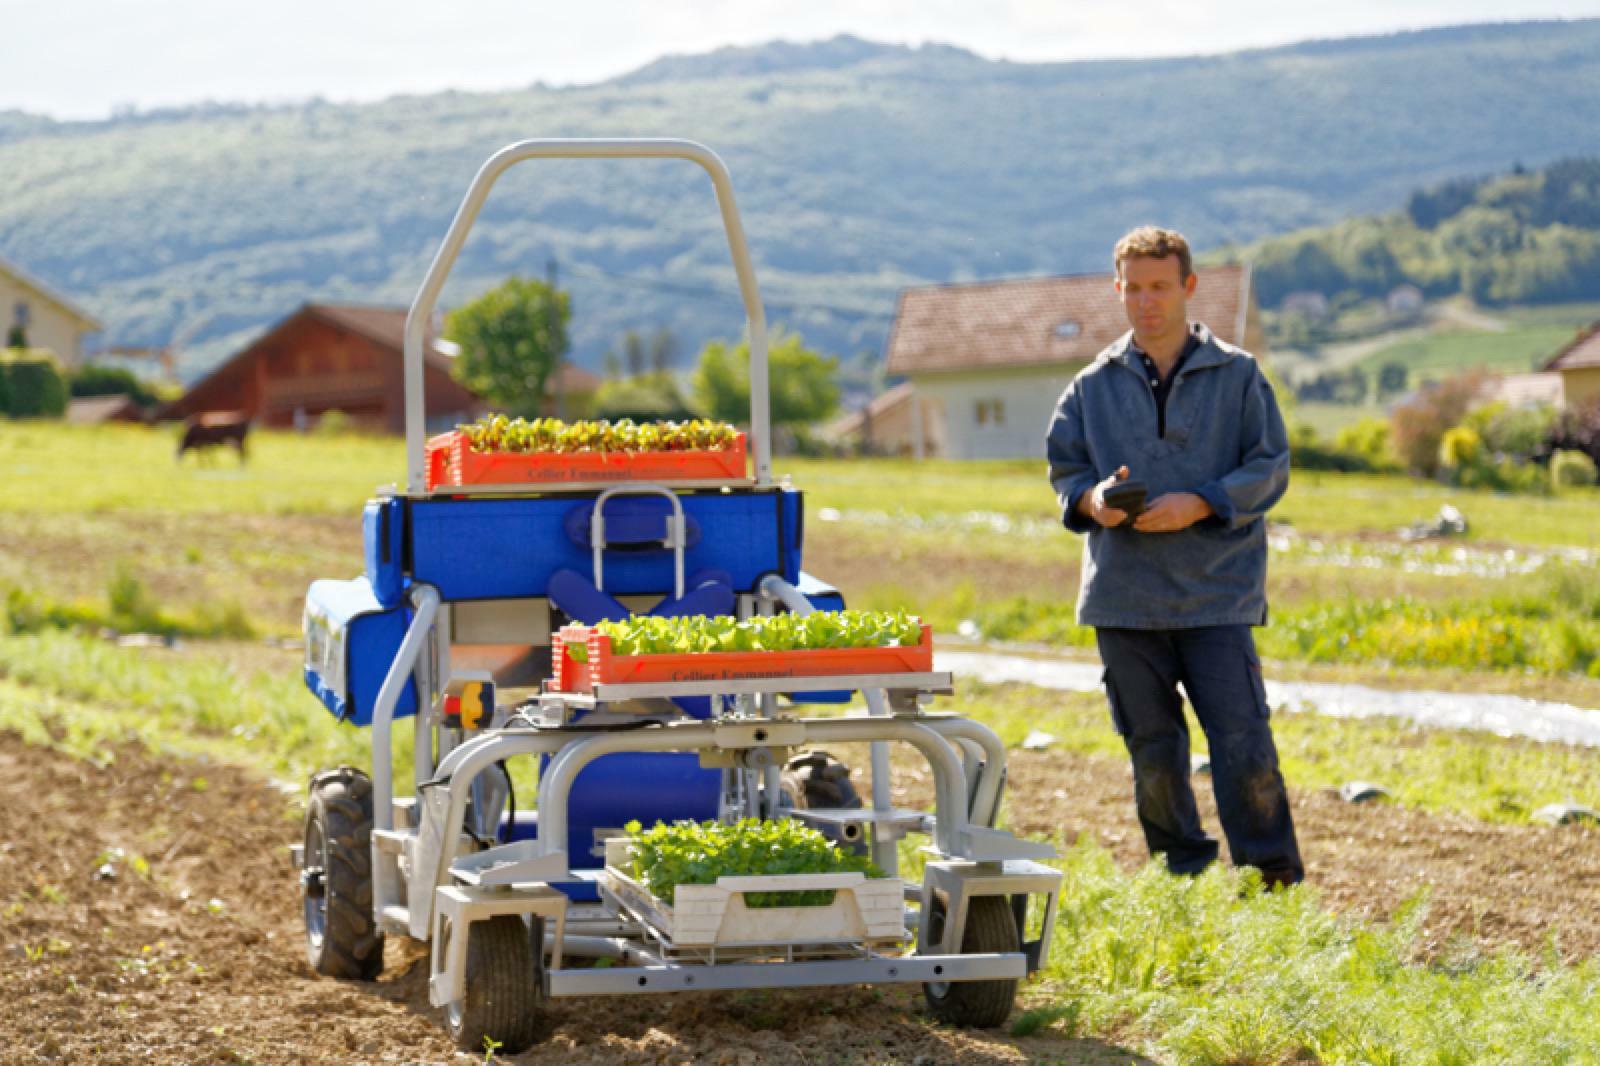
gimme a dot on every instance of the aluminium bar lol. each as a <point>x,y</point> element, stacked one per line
<point>427,298</point>
<point>885,854</point>
<point>425,598</point>
<point>911,969</point>
<point>949,779</point>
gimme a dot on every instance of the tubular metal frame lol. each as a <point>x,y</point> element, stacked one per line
<point>427,298</point>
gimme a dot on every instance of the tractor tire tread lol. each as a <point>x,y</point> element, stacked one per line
<point>352,946</point>
<point>815,779</point>
<point>991,929</point>
<point>504,992</point>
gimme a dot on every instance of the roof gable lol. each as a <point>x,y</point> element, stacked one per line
<point>1582,351</point>
<point>28,281</point>
<point>1038,321</point>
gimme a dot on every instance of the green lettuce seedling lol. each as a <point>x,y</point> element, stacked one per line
<point>497,433</point>
<point>783,632</point>
<point>688,853</point>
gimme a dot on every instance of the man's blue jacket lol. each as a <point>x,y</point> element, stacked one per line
<point>1225,440</point>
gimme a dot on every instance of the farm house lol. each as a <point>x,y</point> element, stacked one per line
<point>331,357</point>
<point>988,359</point>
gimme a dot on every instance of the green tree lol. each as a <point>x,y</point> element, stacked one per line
<point>1392,378</point>
<point>802,382</point>
<point>512,338</point>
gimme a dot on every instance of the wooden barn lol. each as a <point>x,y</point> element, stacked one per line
<point>328,357</point>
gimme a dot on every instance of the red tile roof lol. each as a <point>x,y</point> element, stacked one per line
<point>1583,351</point>
<point>1024,322</point>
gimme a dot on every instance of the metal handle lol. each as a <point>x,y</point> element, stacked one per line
<point>676,539</point>
<point>580,148</point>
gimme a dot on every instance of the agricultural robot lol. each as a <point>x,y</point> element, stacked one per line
<point>457,624</point>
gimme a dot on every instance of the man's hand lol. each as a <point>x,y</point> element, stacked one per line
<point>1092,504</point>
<point>1172,512</point>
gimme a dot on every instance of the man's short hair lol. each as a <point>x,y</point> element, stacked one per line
<point>1153,242</point>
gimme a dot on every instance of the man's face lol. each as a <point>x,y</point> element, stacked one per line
<point>1155,297</point>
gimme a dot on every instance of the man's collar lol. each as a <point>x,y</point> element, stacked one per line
<point>1127,351</point>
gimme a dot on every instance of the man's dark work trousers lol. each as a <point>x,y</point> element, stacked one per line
<point>1221,674</point>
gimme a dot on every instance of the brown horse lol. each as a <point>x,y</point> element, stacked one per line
<point>209,429</point>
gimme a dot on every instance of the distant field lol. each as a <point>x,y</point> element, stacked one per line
<point>1518,350</point>
<point>1329,418</point>
<point>101,528</point>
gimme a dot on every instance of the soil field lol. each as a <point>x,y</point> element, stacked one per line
<point>150,915</point>
<point>187,948</point>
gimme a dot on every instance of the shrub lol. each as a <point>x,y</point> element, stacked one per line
<point>1370,439</point>
<point>1571,469</point>
<point>1309,452</point>
<point>1519,432</point>
<point>1579,430</point>
<point>33,385</point>
<point>112,381</point>
<point>647,398</point>
<point>1460,448</point>
<point>1418,427</point>
<point>334,423</point>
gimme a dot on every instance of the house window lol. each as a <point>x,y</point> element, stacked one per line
<point>1068,329</point>
<point>989,412</point>
<point>21,315</point>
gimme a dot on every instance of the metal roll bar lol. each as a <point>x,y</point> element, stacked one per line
<point>422,306</point>
<point>425,599</point>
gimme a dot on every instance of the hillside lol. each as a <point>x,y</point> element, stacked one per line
<point>1526,237</point>
<point>861,168</point>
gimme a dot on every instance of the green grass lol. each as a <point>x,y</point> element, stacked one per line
<point>1546,624</point>
<point>190,701</point>
<point>55,468</point>
<point>1212,971</point>
<point>1329,418</point>
<point>1323,503</point>
<point>1489,778</point>
<point>1520,349</point>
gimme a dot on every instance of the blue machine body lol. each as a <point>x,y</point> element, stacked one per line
<point>350,641</point>
<point>495,549</point>
<point>479,549</point>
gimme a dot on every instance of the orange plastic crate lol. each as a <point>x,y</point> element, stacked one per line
<point>452,462</point>
<point>606,668</point>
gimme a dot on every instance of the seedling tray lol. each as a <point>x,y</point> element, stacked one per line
<point>864,910</point>
<point>453,463</point>
<point>604,667</point>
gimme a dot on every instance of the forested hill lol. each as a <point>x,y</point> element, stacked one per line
<point>1528,236</point>
<point>861,168</point>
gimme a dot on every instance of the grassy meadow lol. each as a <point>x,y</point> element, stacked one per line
<point>102,532</point>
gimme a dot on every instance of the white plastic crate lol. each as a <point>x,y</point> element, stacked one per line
<point>864,910</point>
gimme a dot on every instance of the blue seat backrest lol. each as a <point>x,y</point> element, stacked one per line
<point>473,549</point>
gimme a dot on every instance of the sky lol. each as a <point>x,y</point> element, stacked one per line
<point>87,59</point>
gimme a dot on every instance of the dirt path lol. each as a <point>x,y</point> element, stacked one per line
<point>145,967</point>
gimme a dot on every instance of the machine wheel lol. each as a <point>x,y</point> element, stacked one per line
<point>816,779</point>
<point>504,987</point>
<point>342,938</point>
<point>991,929</point>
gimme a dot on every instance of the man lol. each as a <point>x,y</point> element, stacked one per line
<point>1173,594</point>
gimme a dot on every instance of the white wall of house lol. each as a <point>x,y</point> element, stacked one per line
<point>996,413</point>
<point>45,322</point>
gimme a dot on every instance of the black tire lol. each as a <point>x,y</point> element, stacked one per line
<point>342,938</point>
<point>991,929</point>
<point>504,987</point>
<point>815,779</point>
